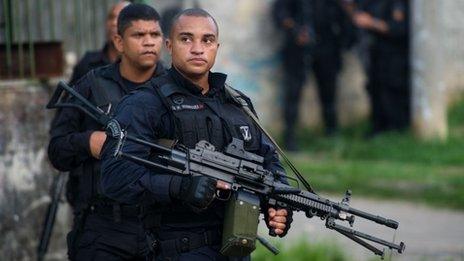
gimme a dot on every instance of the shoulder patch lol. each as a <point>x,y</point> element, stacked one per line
<point>170,88</point>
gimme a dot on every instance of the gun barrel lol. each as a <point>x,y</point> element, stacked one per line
<point>377,219</point>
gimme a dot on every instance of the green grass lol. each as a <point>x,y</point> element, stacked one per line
<point>391,165</point>
<point>301,251</point>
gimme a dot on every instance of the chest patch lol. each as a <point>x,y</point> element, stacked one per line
<point>179,103</point>
<point>246,133</point>
<point>192,107</point>
<point>178,100</point>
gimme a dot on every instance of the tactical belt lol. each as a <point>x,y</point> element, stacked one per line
<point>185,242</point>
<point>180,218</point>
<point>118,211</point>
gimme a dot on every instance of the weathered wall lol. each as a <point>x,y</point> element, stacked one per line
<point>437,64</point>
<point>25,173</point>
<point>451,36</point>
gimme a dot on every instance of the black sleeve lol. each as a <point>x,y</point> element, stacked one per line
<point>398,28</point>
<point>347,34</point>
<point>69,142</point>
<point>280,12</point>
<point>301,12</point>
<point>140,114</point>
<point>271,158</point>
<point>81,69</point>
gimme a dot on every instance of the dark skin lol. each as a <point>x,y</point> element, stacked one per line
<point>193,45</point>
<point>366,21</point>
<point>139,48</point>
<point>111,28</point>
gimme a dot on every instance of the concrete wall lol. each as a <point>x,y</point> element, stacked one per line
<point>451,37</point>
<point>437,64</point>
<point>25,173</point>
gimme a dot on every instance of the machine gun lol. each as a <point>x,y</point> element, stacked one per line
<point>244,172</point>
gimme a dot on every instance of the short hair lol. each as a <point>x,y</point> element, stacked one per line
<point>197,12</point>
<point>134,12</point>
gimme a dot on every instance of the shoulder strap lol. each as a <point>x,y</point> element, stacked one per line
<point>237,97</point>
<point>98,91</point>
<point>105,92</point>
<point>98,94</point>
<point>157,85</point>
<point>167,89</point>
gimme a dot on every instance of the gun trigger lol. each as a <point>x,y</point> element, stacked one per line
<point>223,195</point>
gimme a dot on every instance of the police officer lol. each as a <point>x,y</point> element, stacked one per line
<point>314,34</point>
<point>388,74</point>
<point>92,60</point>
<point>108,54</point>
<point>169,14</point>
<point>104,229</point>
<point>292,16</point>
<point>332,33</point>
<point>188,104</point>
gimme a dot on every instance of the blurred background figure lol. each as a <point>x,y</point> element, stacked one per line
<point>293,18</point>
<point>387,63</point>
<point>315,32</point>
<point>332,33</point>
<point>108,54</point>
<point>168,14</point>
<point>91,60</point>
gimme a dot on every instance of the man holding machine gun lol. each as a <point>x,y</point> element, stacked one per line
<point>189,104</point>
<point>104,229</point>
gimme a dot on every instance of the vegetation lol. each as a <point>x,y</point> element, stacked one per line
<point>301,251</point>
<point>391,165</point>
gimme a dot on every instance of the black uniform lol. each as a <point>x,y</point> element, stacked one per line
<point>295,59</point>
<point>332,34</point>
<point>91,60</point>
<point>388,73</point>
<point>174,108</point>
<point>102,229</point>
<point>325,22</point>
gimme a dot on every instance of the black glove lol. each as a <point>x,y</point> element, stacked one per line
<point>197,192</point>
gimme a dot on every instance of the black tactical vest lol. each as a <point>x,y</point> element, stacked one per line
<point>216,120</point>
<point>83,187</point>
<point>195,118</point>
